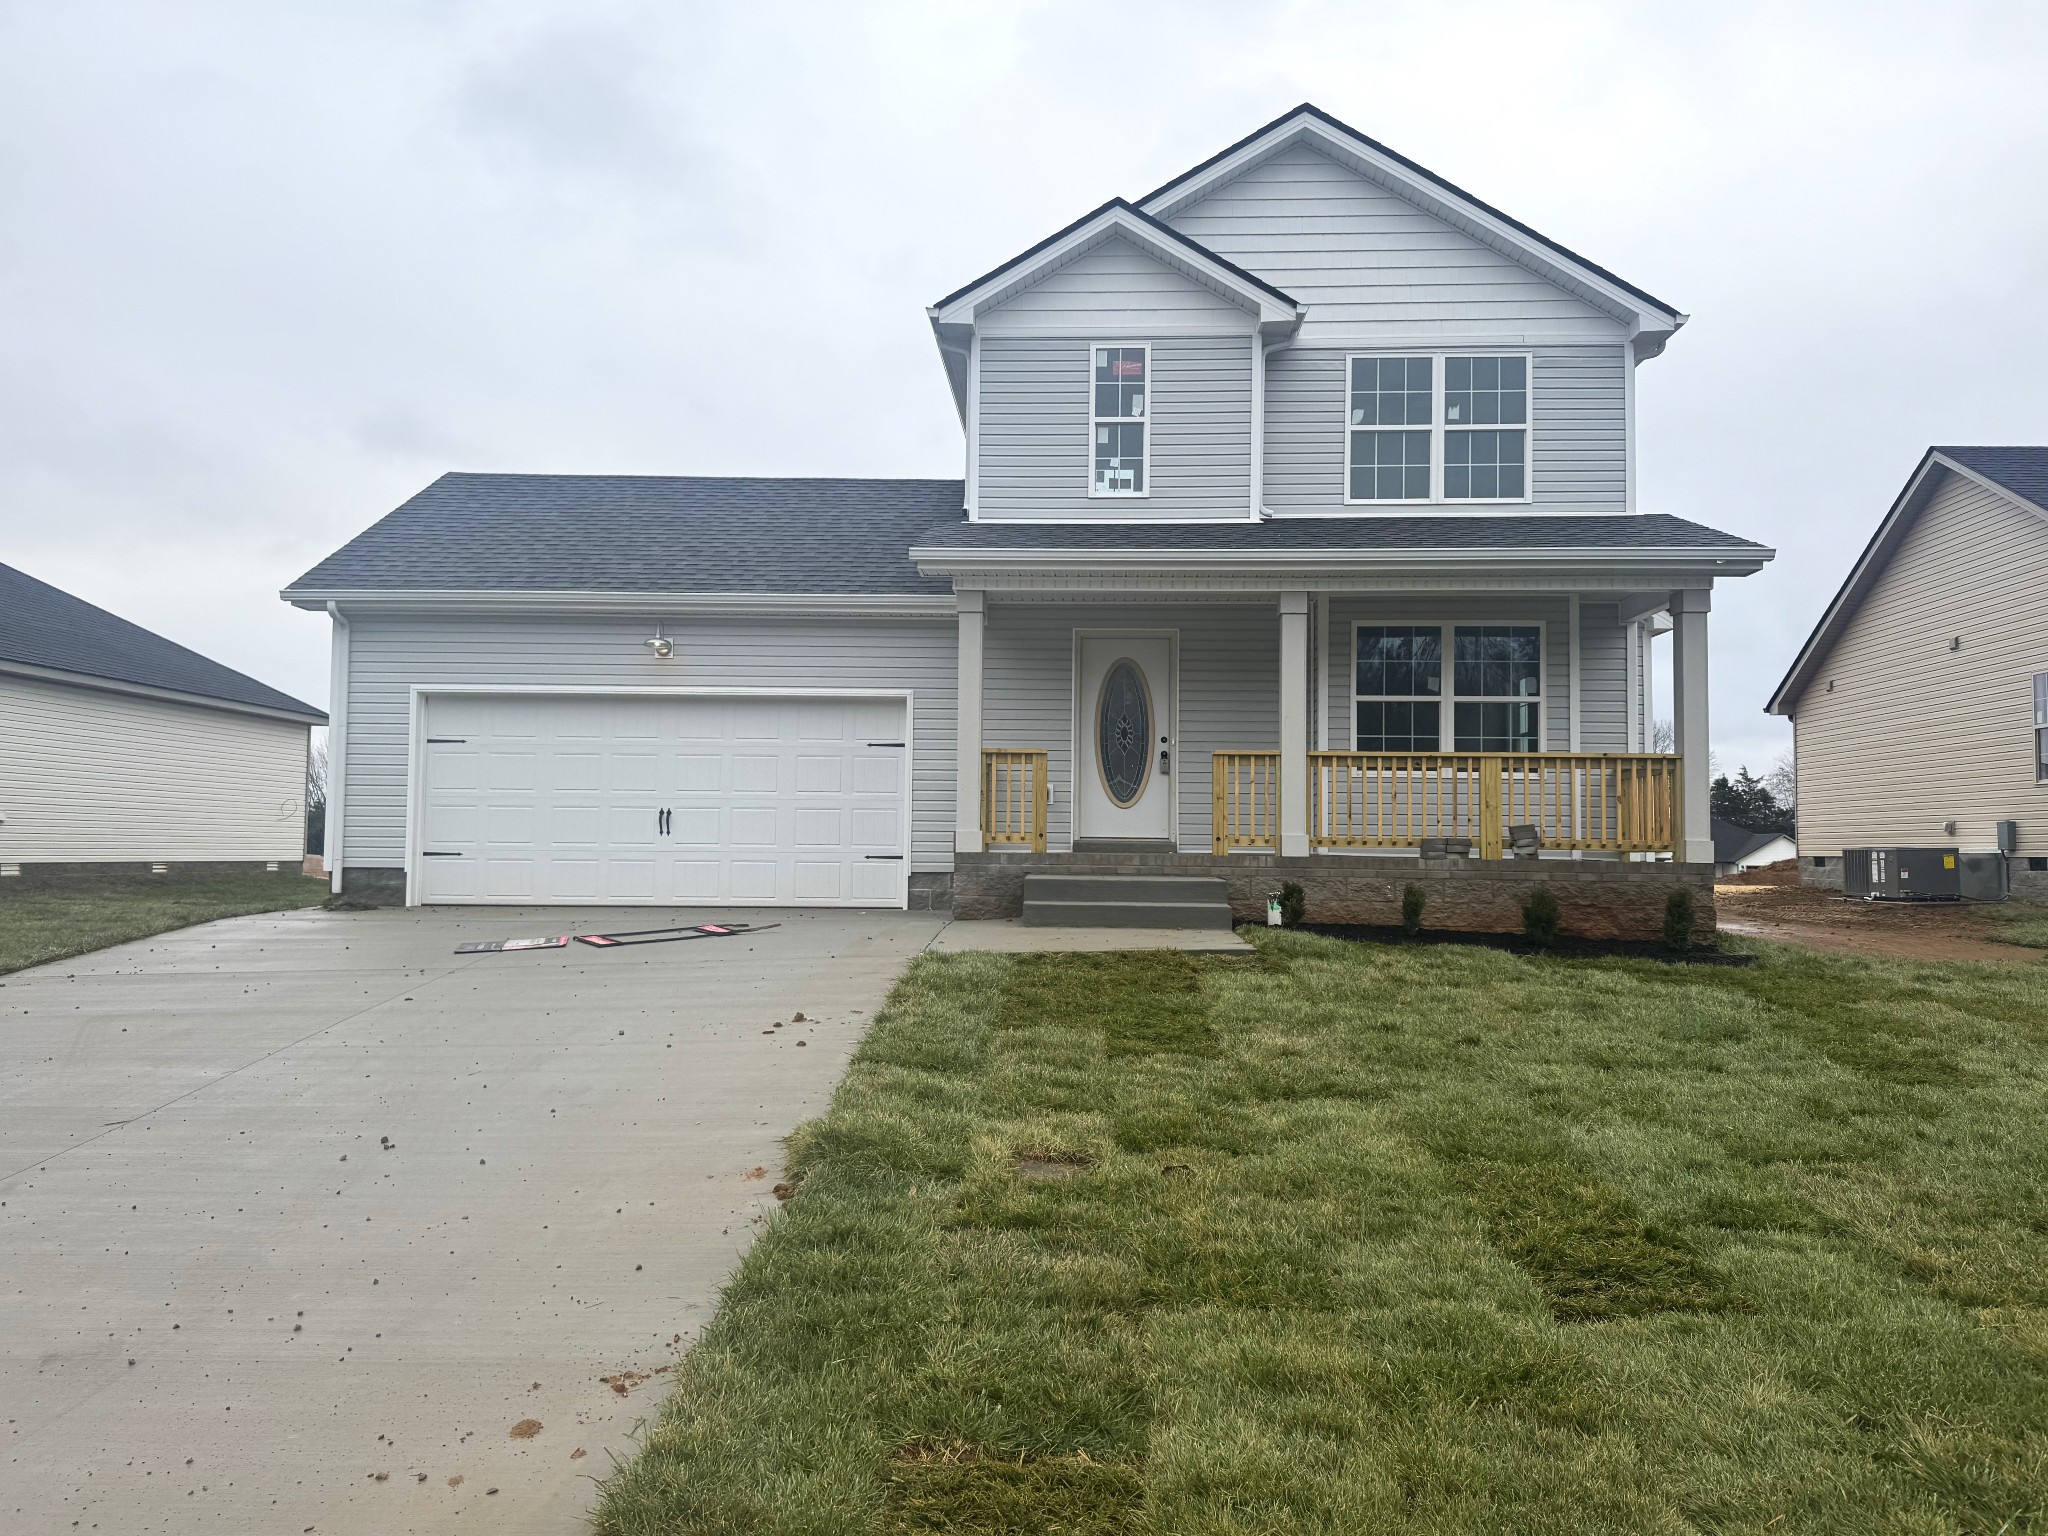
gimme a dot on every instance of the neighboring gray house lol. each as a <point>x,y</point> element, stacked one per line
<point>1919,704</point>
<point>1299,518</point>
<point>118,746</point>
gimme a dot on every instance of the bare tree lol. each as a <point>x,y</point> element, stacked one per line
<point>1782,780</point>
<point>1662,737</point>
<point>316,798</point>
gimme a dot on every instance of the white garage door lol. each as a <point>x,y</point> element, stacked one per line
<point>609,798</point>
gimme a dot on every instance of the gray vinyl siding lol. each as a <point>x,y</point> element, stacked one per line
<point>1375,265</point>
<point>389,656</point>
<point>1913,734</point>
<point>1114,292</point>
<point>1578,425</point>
<point>1228,692</point>
<point>1603,703</point>
<point>1036,452</point>
<point>1603,679</point>
<point>92,776</point>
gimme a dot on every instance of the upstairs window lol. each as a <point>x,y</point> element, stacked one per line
<point>1118,419</point>
<point>1440,428</point>
<point>1492,685</point>
<point>1388,393</point>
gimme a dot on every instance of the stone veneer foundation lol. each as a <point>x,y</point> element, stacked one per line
<point>1596,898</point>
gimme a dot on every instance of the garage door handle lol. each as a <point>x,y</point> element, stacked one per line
<point>885,856</point>
<point>447,741</point>
<point>428,853</point>
<point>885,743</point>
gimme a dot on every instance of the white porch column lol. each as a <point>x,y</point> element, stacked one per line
<point>1294,725</point>
<point>967,769</point>
<point>1689,720</point>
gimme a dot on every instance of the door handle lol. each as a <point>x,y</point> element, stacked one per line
<point>1165,759</point>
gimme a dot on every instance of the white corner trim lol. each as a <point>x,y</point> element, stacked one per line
<point>337,746</point>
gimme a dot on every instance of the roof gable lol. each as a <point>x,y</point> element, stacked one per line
<point>1650,319</point>
<point>1118,219</point>
<point>1102,286</point>
<point>2001,470</point>
<point>46,631</point>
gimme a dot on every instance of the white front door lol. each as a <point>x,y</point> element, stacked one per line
<point>1124,746</point>
<point>678,800</point>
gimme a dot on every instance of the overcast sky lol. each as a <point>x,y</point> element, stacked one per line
<point>268,268</point>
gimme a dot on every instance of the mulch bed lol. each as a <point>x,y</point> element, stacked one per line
<point>1564,947</point>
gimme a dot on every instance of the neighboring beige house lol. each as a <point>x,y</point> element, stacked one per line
<point>1919,704</point>
<point>118,746</point>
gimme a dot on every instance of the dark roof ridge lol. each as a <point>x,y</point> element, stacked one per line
<point>1310,109</point>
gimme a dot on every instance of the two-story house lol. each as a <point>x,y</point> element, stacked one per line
<point>1298,533</point>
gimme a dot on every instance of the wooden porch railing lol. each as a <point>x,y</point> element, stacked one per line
<point>1014,794</point>
<point>1597,801</point>
<point>1244,800</point>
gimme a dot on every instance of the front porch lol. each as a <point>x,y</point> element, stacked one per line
<point>1269,724</point>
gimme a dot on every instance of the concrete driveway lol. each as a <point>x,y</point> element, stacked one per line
<point>226,1305</point>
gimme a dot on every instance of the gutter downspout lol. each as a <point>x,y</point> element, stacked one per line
<point>337,744</point>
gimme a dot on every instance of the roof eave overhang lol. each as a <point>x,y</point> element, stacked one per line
<point>1651,324</point>
<point>1702,565</point>
<point>308,716</point>
<point>469,600</point>
<point>1799,676</point>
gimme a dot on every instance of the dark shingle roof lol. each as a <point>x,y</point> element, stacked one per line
<point>43,627</point>
<point>1733,844</point>
<point>645,533</point>
<point>1647,531</point>
<point>2023,471</point>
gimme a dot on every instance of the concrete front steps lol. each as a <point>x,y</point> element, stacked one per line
<point>1126,901</point>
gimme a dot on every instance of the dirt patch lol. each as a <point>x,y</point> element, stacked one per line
<point>1037,1166</point>
<point>1791,913</point>
<point>526,1429</point>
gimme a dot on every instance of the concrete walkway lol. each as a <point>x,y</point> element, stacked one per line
<point>227,1307</point>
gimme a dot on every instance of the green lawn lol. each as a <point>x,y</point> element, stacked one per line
<point>77,913</point>
<point>1368,1239</point>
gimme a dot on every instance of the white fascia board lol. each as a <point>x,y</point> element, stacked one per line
<point>1191,263</point>
<point>1650,322</point>
<point>1702,564</point>
<point>796,604</point>
<point>164,695</point>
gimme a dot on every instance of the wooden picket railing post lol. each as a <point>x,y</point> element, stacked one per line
<point>1015,796</point>
<point>1489,774</point>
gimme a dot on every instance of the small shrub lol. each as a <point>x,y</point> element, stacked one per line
<point>1678,918</point>
<point>1412,901</point>
<point>1540,916</point>
<point>1293,904</point>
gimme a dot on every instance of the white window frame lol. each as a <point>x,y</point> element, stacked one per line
<point>2040,739</point>
<point>1449,698</point>
<point>1438,429</point>
<point>1145,421</point>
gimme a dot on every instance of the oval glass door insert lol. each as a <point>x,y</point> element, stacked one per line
<point>1123,732</point>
